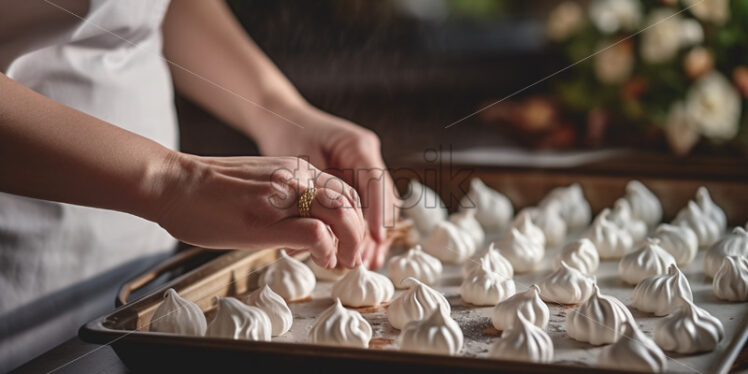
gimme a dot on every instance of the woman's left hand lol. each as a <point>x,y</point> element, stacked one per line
<point>343,149</point>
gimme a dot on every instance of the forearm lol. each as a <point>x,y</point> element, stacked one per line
<point>53,152</point>
<point>215,64</point>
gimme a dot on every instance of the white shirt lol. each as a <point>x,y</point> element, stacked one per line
<point>110,66</point>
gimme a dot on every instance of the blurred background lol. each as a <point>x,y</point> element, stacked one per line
<point>667,78</point>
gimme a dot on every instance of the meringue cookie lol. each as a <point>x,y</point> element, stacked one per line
<point>361,287</point>
<point>574,208</point>
<point>236,320</point>
<point>492,209</point>
<point>415,304</point>
<point>610,240</point>
<point>178,315</point>
<point>424,206</point>
<point>548,219</point>
<point>523,342</point>
<point>522,252</point>
<point>465,220</point>
<point>325,274</point>
<point>340,326</point>
<point>645,206</point>
<point>496,263</point>
<point>414,263</point>
<point>274,306</point>
<point>448,243</point>
<point>528,304</point>
<point>661,294</point>
<point>731,280</point>
<point>689,329</point>
<point>733,244</point>
<point>711,209</point>
<point>707,231</point>
<point>634,351</point>
<point>289,278</point>
<point>621,216</point>
<point>599,320</point>
<point>581,255</point>
<point>438,333</point>
<point>645,262</point>
<point>484,287</point>
<point>680,241</point>
<point>523,223</point>
<point>566,286</point>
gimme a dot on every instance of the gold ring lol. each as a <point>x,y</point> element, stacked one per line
<point>305,201</point>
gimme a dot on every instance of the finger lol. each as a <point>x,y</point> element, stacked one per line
<point>328,181</point>
<point>369,252</point>
<point>335,210</point>
<point>309,234</point>
<point>378,193</point>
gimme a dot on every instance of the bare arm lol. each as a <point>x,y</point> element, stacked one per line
<point>51,151</point>
<point>217,65</point>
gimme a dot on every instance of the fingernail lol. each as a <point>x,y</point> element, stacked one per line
<point>332,263</point>
<point>379,234</point>
<point>358,261</point>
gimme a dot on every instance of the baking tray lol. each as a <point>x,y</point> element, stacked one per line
<point>236,274</point>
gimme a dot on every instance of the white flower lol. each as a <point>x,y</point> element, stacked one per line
<point>691,33</point>
<point>714,106</point>
<point>717,11</point>
<point>662,38</point>
<point>680,132</point>
<point>610,16</point>
<point>564,20</point>
<point>614,63</point>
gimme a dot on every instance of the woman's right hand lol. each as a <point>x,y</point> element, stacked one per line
<point>251,203</point>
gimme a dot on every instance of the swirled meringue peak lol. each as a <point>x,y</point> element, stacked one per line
<point>689,329</point>
<point>524,224</point>
<point>325,274</point>
<point>566,286</point>
<point>574,208</point>
<point>496,262</point>
<point>424,206</point>
<point>733,244</point>
<point>661,294</point>
<point>548,218</point>
<point>414,263</point>
<point>731,281</point>
<point>438,333</point>
<point>645,205</point>
<point>522,252</point>
<point>580,254</point>
<point>484,287</point>
<point>621,216</point>
<point>289,278</point>
<point>707,231</point>
<point>361,287</point>
<point>611,241</point>
<point>492,209</point>
<point>645,262</point>
<point>342,327</point>
<point>523,342</point>
<point>680,241</point>
<point>449,243</point>
<point>599,320</point>
<point>415,304</point>
<point>465,220</point>
<point>178,315</point>
<point>236,320</point>
<point>274,306</point>
<point>528,304</point>
<point>711,209</point>
<point>634,351</point>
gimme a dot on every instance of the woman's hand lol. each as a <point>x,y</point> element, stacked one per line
<point>343,149</point>
<point>251,203</point>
